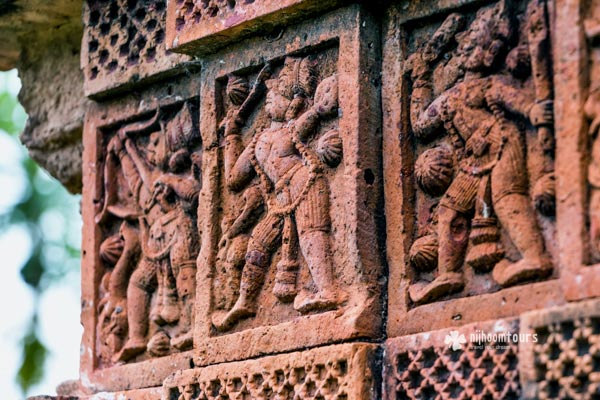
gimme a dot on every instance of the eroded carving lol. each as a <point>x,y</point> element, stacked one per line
<point>151,180</point>
<point>277,174</point>
<point>194,11</point>
<point>481,112</point>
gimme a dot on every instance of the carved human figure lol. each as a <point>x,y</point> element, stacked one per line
<point>236,225</point>
<point>295,192</point>
<point>163,194</point>
<point>491,168</point>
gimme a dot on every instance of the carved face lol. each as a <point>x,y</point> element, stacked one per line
<point>276,105</point>
<point>156,149</point>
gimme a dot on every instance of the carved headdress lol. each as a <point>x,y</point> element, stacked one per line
<point>181,132</point>
<point>298,77</point>
<point>490,33</point>
<point>182,135</point>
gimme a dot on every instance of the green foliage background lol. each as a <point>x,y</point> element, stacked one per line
<point>50,216</point>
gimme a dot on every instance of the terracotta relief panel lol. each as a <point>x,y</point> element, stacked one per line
<point>579,149</point>
<point>291,186</point>
<point>342,372</point>
<point>564,361</point>
<point>141,242</point>
<point>201,26</point>
<point>472,133</point>
<point>124,42</point>
<point>448,364</point>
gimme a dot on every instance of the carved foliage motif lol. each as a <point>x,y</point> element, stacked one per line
<point>281,146</point>
<point>147,218</point>
<point>567,359</point>
<point>481,118</point>
<point>443,373</point>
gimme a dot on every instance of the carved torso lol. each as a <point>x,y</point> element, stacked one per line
<point>275,152</point>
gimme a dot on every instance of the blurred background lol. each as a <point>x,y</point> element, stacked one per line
<point>40,235</point>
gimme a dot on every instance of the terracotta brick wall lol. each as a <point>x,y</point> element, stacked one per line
<point>340,200</point>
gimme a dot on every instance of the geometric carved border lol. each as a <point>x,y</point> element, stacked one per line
<point>124,43</point>
<point>565,361</point>
<point>423,365</point>
<point>341,372</point>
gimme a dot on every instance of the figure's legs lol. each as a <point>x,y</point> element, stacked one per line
<point>234,263</point>
<point>169,310</point>
<point>114,307</point>
<point>262,243</point>
<point>314,226</point>
<point>123,268</point>
<point>316,250</point>
<point>453,237</point>
<point>186,288</point>
<point>516,215</point>
<point>453,234</point>
<point>141,285</point>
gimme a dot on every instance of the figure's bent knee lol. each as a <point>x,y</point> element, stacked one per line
<point>257,257</point>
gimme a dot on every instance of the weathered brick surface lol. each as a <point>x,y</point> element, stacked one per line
<point>201,26</point>
<point>242,221</point>
<point>577,148</point>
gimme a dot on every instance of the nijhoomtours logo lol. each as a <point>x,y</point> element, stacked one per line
<point>493,340</point>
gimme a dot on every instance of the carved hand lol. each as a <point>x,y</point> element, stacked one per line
<point>264,74</point>
<point>542,113</point>
<point>417,67</point>
<point>326,97</point>
<point>113,310</point>
<point>115,145</point>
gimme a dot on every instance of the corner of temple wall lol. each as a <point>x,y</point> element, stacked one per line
<point>43,42</point>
